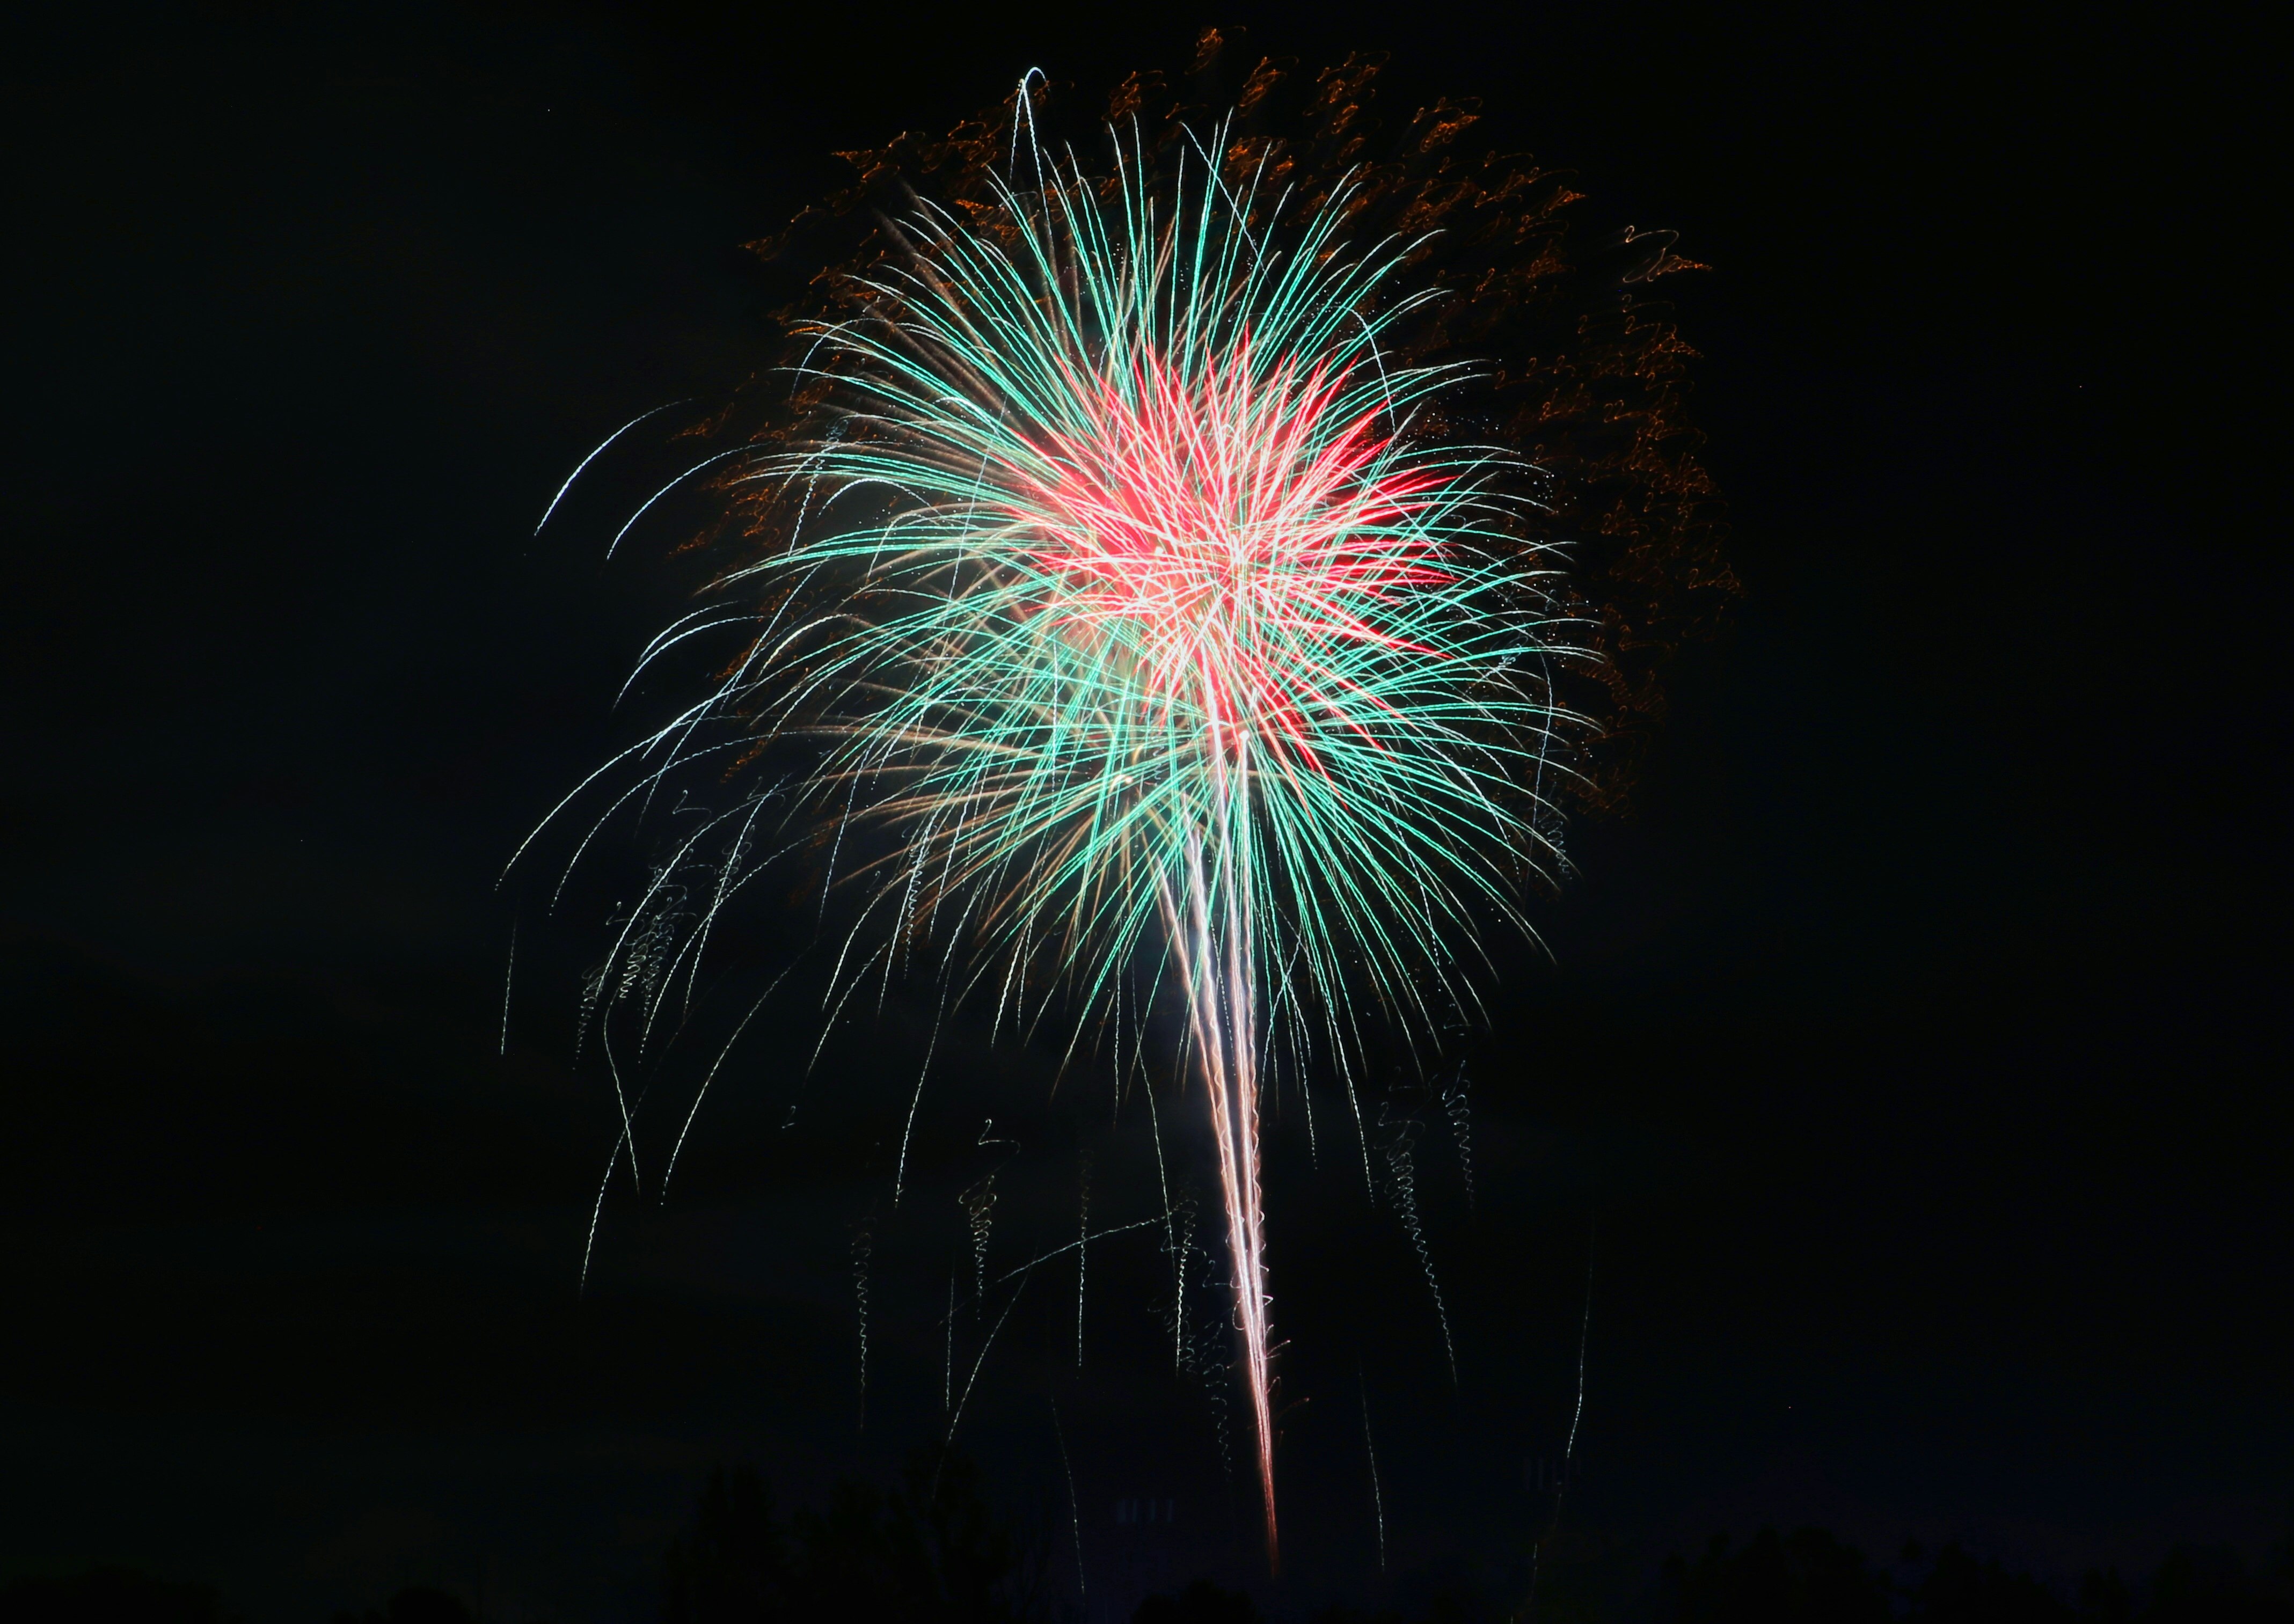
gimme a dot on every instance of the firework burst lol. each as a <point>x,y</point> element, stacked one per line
<point>1166,620</point>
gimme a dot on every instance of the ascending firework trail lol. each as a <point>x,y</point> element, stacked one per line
<point>1126,578</point>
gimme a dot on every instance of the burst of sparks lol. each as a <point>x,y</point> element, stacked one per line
<point>1148,603</point>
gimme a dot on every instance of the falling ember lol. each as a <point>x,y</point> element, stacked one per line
<point>1123,572</point>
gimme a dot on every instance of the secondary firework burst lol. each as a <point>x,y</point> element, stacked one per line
<point>1151,606</point>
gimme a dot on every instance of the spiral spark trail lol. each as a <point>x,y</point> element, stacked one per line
<point>1164,619</point>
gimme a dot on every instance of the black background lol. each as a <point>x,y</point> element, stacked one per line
<point>1909,1063</point>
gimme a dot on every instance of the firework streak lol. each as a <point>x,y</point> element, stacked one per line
<point>1127,582</point>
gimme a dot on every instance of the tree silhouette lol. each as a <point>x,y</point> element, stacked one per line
<point>932,1552</point>
<point>1812,1578</point>
<point>1806,1578</point>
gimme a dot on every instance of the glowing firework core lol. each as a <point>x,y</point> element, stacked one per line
<point>1226,534</point>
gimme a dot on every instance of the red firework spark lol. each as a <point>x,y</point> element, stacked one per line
<point>1225,524</point>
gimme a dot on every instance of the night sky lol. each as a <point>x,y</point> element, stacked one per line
<point>1909,1064</point>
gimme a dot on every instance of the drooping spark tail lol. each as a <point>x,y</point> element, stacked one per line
<point>510,969</point>
<point>1460,1108</point>
<point>1083,1250</point>
<point>864,1248</point>
<point>1576,1418</point>
<point>1369,1449</point>
<point>1166,621</point>
<point>1075,1508</point>
<point>593,457</point>
<point>1403,1168</point>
